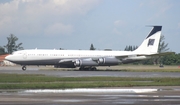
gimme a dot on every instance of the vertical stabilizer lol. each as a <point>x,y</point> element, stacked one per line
<point>151,43</point>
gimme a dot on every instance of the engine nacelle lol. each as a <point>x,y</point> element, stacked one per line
<point>108,61</point>
<point>101,61</point>
<point>79,63</point>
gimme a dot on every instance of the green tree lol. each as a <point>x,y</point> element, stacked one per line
<point>11,45</point>
<point>2,50</point>
<point>61,48</point>
<point>134,48</point>
<point>172,59</point>
<point>92,47</point>
<point>130,48</point>
<point>163,47</point>
<point>126,48</point>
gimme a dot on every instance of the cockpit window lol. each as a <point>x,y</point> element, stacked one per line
<point>17,52</point>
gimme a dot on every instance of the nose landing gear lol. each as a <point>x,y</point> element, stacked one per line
<point>23,68</point>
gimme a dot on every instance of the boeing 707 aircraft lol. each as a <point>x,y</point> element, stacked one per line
<point>88,59</point>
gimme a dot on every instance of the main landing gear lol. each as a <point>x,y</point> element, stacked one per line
<point>88,68</point>
<point>23,68</point>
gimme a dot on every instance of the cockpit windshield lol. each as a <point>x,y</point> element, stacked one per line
<point>17,52</point>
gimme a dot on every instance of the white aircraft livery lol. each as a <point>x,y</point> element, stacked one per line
<point>88,59</point>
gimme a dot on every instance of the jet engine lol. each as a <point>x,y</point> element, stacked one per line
<point>108,61</point>
<point>79,63</point>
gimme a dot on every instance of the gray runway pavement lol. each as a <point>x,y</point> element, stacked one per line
<point>169,95</point>
<point>35,70</point>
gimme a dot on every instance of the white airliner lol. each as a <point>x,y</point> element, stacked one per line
<point>88,59</point>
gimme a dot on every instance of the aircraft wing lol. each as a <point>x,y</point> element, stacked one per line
<point>65,60</point>
<point>123,56</point>
<point>68,61</point>
<point>141,55</point>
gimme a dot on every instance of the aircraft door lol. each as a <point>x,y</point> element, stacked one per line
<point>24,55</point>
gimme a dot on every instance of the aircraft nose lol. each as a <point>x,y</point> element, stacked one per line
<point>8,57</point>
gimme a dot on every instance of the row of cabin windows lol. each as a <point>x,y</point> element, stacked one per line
<point>62,55</point>
<point>45,54</point>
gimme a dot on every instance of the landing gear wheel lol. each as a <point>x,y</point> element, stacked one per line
<point>23,68</point>
<point>81,68</point>
<point>93,68</point>
<point>88,68</point>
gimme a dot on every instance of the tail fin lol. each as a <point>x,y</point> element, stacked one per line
<point>151,43</point>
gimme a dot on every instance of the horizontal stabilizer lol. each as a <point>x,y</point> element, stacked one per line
<point>163,53</point>
<point>159,54</point>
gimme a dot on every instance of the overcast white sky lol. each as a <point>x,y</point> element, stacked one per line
<point>75,24</point>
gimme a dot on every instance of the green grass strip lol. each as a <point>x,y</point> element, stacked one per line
<point>33,81</point>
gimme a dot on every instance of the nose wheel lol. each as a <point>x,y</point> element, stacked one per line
<point>23,68</point>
